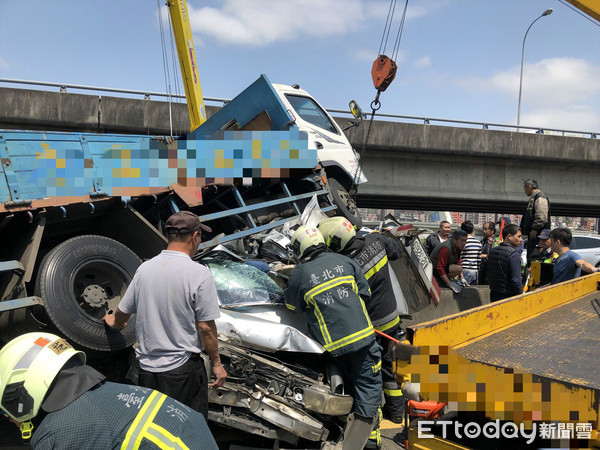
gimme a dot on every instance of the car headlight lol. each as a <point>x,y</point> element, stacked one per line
<point>320,399</point>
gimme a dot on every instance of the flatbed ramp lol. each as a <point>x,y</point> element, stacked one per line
<point>562,344</point>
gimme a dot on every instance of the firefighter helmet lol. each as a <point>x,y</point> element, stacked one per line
<point>337,232</point>
<point>28,366</point>
<point>304,238</point>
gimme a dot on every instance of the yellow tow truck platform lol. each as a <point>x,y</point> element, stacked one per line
<point>530,364</point>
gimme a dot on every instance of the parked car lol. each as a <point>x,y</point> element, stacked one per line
<point>588,247</point>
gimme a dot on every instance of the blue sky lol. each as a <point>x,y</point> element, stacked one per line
<point>458,59</point>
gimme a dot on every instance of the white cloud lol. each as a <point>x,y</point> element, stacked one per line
<point>255,23</point>
<point>269,21</point>
<point>573,117</point>
<point>3,63</point>
<point>561,93</point>
<point>421,63</point>
<point>556,81</point>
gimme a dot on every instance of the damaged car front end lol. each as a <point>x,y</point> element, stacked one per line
<point>281,384</point>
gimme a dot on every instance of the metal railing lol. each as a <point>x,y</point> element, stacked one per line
<point>425,120</point>
<point>482,125</point>
<point>146,94</point>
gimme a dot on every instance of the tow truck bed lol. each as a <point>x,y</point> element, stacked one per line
<point>528,359</point>
<point>561,344</point>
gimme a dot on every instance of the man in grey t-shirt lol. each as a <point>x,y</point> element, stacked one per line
<point>176,304</point>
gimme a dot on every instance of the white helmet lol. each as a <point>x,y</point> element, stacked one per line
<point>305,237</point>
<point>337,232</point>
<point>28,366</point>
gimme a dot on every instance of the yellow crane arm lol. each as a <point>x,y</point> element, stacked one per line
<point>590,7</point>
<point>182,32</point>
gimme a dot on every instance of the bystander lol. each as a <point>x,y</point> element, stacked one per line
<point>446,261</point>
<point>536,216</point>
<point>487,243</point>
<point>569,264</point>
<point>504,265</point>
<point>176,304</point>
<point>435,239</point>
<point>471,254</point>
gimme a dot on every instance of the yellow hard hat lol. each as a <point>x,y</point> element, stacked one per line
<point>337,232</point>
<point>28,366</point>
<point>305,237</point>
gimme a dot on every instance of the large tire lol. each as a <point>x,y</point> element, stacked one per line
<point>345,204</point>
<point>80,280</point>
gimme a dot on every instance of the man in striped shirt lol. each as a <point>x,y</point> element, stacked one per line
<point>471,254</point>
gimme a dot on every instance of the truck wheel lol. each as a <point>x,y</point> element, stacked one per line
<point>345,204</point>
<point>82,279</point>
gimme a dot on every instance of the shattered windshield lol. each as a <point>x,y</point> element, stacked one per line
<point>311,112</point>
<point>240,284</point>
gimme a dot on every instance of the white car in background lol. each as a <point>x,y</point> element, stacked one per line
<point>588,247</point>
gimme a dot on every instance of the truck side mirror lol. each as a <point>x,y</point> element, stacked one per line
<point>356,112</point>
<point>355,109</point>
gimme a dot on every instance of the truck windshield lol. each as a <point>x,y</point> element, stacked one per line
<point>311,112</point>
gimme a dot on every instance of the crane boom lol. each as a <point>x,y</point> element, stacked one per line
<point>590,7</point>
<point>184,42</point>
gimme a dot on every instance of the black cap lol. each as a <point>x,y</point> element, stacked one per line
<point>544,234</point>
<point>185,222</point>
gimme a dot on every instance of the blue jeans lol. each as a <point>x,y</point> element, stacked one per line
<point>470,276</point>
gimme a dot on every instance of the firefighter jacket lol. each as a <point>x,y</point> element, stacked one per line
<point>332,290</point>
<point>119,416</point>
<point>372,254</point>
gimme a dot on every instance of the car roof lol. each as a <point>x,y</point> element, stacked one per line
<point>579,236</point>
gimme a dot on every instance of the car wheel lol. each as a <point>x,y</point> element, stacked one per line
<point>344,202</point>
<point>80,280</point>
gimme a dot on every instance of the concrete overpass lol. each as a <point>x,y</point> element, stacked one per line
<point>409,166</point>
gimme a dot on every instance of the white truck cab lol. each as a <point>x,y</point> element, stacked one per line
<point>332,146</point>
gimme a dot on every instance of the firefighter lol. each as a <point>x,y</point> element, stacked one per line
<point>372,252</point>
<point>332,290</point>
<point>45,381</point>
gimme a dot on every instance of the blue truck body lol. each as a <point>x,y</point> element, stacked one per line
<point>71,166</point>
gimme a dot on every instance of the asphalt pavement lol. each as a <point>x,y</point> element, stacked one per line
<point>392,437</point>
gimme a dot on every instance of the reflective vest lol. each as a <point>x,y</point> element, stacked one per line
<point>144,427</point>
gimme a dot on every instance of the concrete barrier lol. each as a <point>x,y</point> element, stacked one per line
<point>421,306</point>
<point>451,303</point>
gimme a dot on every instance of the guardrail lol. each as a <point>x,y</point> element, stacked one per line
<point>146,94</point>
<point>482,125</point>
<point>425,120</point>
